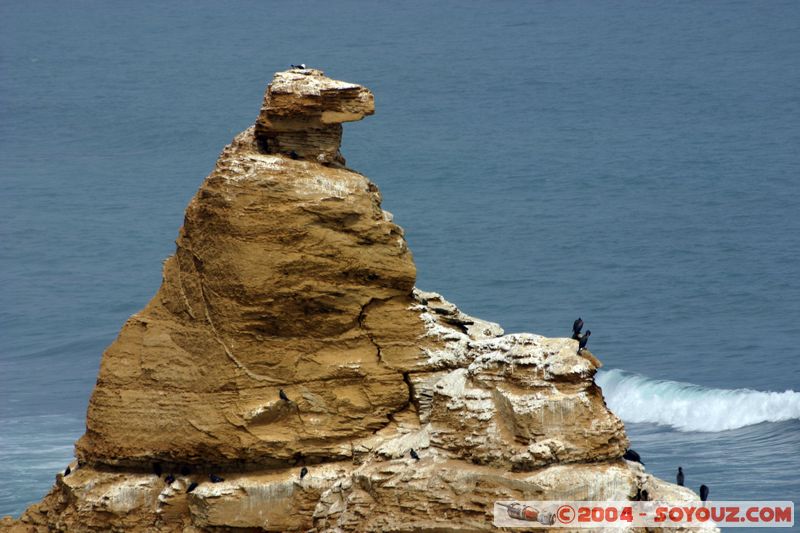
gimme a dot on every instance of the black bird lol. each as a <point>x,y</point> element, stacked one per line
<point>703,492</point>
<point>631,455</point>
<point>67,471</point>
<point>170,479</point>
<point>583,340</point>
<point>157,469</point>
<point>192,486</point>
<point>414,455</point>
<point>303,472</point>
<point>185,470</point>
<point>577,326</point>
<point>215,478</point>
<point>680,476</point>
<point>294,155</point>
<point>301,65</point>
<point>283,396</point>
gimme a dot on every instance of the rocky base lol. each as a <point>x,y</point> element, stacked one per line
<point>486,432</point>
<point>437,493</point>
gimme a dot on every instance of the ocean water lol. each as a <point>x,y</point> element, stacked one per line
<point>635,164</point>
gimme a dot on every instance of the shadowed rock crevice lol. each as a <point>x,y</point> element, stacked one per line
<point>365,329</point>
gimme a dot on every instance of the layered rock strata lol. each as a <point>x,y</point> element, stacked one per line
<point>289,276</point>
<point>303,112</point>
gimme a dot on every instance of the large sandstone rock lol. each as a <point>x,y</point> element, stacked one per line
<point>277,267</point>
<point>289,275</point>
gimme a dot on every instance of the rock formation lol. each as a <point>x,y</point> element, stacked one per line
<point>303,113</point>
<point>289,276</point>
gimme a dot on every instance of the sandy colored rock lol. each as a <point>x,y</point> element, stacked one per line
<point>277,265</point>
<point>303,111</point>
<point>288,275</point>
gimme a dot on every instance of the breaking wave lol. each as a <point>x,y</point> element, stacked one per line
<point>688,407</point>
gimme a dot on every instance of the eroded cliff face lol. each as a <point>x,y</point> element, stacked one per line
<point>289,276</point>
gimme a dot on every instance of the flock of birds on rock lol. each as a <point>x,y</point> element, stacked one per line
<point>630,454</point>
<point>582,338</point>
<point>184,471</point>
<point>641,495</point>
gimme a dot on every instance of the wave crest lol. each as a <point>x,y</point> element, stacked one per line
<point>688,407</point>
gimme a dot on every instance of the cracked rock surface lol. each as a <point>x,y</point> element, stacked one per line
<point>289,276</point>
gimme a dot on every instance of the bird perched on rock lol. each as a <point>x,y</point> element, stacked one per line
<point>703,492</point>
<point>192,486</point>
<point>301,65</point>
<point>583,340</point>
<point>67,471</point>
<point>170,479</point>
<point>679,477</point>
<point>215,478</point>
<point>577,326</point>
<point>414,455</point>
<point>631,455</point>
<point>303,472</point>
<point>283,396</point>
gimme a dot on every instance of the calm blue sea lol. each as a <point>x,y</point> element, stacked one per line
<point>634,163</point>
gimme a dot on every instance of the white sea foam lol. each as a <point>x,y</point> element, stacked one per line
<point>688,407</point>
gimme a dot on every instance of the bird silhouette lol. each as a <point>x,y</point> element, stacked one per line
<point>414,454</point>
<point>583,340</point>
<point>631,455</point>
<point>215,478</point>
<point>283,396</point>
<point>303,472</point>
<point>192,486</point>
<point>680,478</point>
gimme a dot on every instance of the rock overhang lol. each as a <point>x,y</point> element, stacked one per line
<point>303,111</point>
